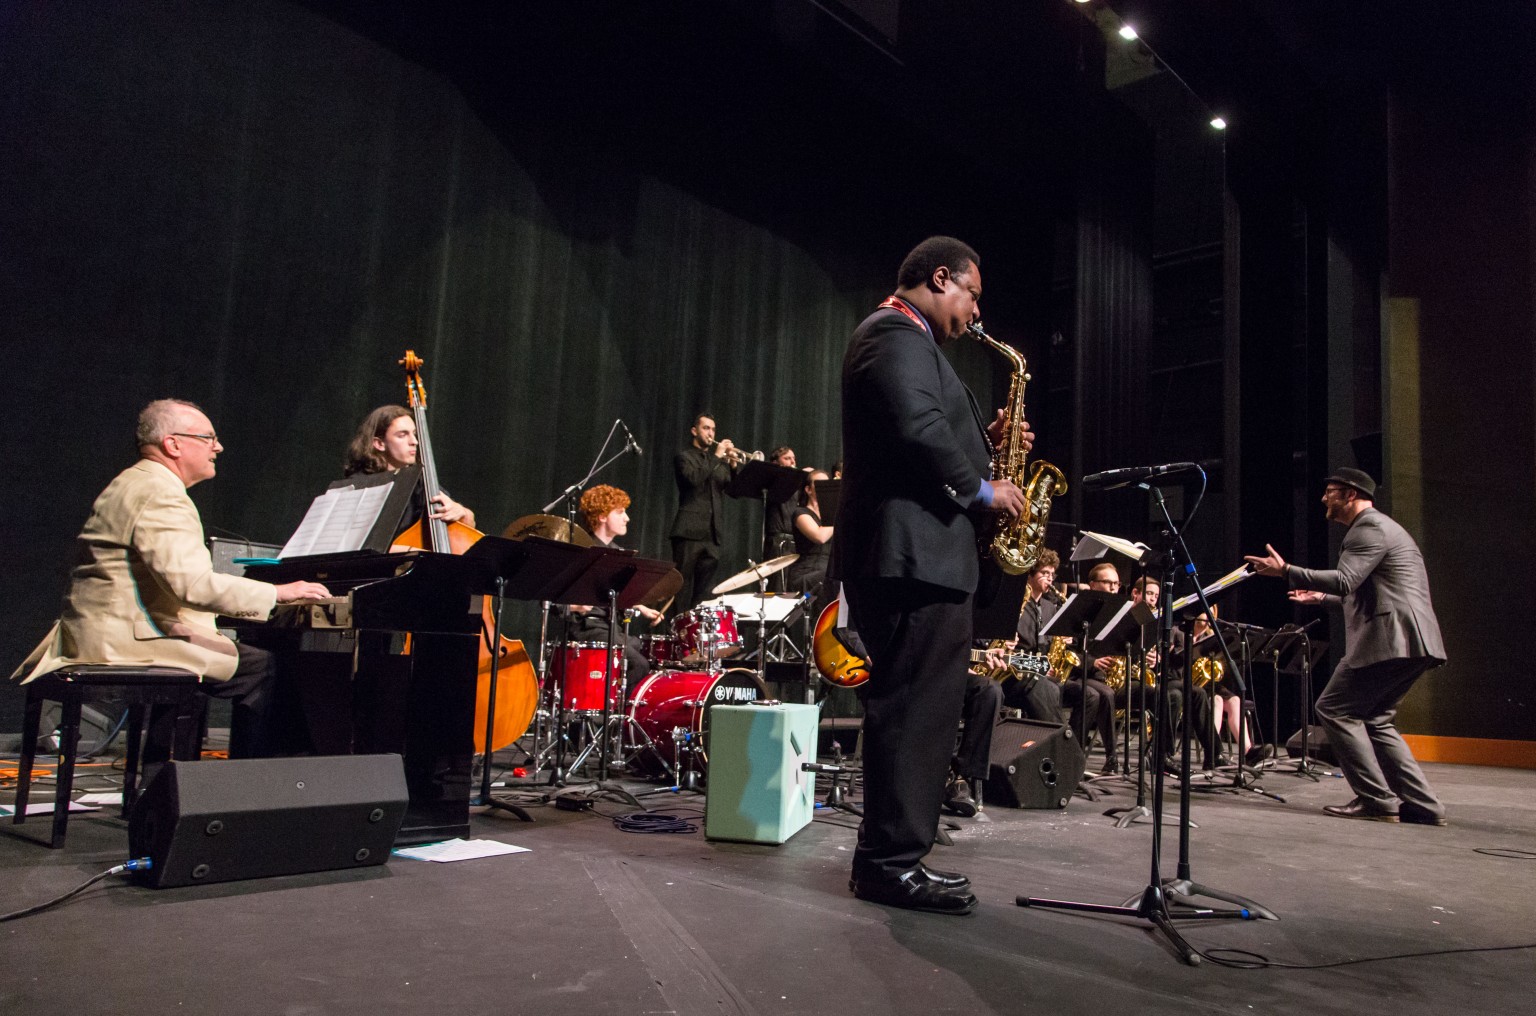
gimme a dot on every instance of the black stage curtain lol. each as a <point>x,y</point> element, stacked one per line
<point>251,207</point>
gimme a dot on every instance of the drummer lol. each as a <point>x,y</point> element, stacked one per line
<point>605,510</point>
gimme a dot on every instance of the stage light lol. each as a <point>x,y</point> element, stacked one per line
<point>1218,123</point>
<point>1127,32</point>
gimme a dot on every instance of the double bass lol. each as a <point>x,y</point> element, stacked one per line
<point>517,685</point>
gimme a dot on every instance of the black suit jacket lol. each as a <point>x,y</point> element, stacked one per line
<point>701,477</point>
<point>915,451</point>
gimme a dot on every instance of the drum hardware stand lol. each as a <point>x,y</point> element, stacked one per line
<point>1156,901</point>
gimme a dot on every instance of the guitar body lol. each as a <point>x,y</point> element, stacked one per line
<point>837,665</point>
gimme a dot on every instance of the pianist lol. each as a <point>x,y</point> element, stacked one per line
<point>386,442</point>
<point>143,590</point>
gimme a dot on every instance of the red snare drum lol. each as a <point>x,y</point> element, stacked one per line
<point>661,650</point>
<point>702,627</point>
<point>579,671</point>
<point>668,699</point>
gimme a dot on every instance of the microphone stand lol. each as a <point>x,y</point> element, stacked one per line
<point>1154,902</point>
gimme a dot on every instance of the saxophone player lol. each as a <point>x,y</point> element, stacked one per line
<point>915,482</point>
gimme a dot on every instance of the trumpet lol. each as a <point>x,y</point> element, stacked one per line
<point>735,456</point>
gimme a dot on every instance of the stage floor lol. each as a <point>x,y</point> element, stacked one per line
<point>595,920</point>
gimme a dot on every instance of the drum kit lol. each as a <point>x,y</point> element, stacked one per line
<point>660,727</point>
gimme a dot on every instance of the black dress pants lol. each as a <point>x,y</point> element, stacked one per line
<point>251,690</point>
<point>919,639</point>
<point>983,703</point>
<point>697,561</point>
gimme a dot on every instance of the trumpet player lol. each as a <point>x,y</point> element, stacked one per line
<point>702,470</point>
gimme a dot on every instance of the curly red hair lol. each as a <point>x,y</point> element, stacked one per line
<point>601,500</point>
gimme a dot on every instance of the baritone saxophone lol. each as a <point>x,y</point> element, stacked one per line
<point>1016,543</point>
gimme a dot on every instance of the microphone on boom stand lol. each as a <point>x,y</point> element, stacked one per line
<point>1114,479</point>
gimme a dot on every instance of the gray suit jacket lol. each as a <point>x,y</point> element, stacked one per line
<point>1385,592</point>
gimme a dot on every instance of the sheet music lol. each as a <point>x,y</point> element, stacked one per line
<point>1227,581</point>
<point>338,520</point>
<point>1093,545</point>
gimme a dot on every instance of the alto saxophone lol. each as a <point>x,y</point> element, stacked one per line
<point>1016,542</point>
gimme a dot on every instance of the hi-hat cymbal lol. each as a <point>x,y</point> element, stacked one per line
<point>660,596</point>
<point>755,574</point>
<point>550,527</point>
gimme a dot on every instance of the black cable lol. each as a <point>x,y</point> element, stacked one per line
<point>646,822</point>
<point>139,864</point>
<point>1511,853</point>
<point>1262,962</point>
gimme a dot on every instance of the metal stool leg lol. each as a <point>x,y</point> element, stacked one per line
<point>69,743</point>
<point>31,720</point>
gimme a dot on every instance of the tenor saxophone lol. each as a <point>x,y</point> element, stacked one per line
<point>1016,543</point>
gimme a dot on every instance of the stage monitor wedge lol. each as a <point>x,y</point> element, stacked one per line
<point>221,821</point>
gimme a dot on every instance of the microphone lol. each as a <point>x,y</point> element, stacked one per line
<point>632,442</point>
<point>1114,479</point>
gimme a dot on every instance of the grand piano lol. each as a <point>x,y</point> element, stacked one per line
<point>390,667</point>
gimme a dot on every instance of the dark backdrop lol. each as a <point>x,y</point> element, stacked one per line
<point>258,209</point>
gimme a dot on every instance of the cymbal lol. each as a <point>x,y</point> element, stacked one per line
<point>660,596</point>
<point>550,527</point>
<point>755,574</point>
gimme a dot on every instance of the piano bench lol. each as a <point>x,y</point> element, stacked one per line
<point>71,687</point>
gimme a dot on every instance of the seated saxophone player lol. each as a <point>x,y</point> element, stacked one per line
<point>1148,591</point>
<point>1037,699</point>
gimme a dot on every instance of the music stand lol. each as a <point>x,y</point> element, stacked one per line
<point>1128,625</point>
<point>621,579</point>
<point>520,570</point>
<point>1294,652</point>
<point>768,484</point>
<point>1085,610</point>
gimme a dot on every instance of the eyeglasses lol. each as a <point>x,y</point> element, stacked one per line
<point>212,439</point>
<point>1335,490</point>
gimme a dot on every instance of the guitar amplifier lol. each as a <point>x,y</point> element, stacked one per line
<point>757,790</point>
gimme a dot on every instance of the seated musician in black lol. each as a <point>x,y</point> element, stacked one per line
<point>1100,700</point>
<point>813,539</point>
<point>605,511</point>
<point>1038,699</point>
<point>386,442</point>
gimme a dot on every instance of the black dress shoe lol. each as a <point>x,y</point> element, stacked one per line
<point>1414,815</point>
<point>1359,809</point>
<point>958,799</point>
<point>946,879</point>
<point>912,891</point>
<point>1258,753</point>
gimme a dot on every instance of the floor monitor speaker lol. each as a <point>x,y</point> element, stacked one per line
<point>1034,765</point>
<point>219,821</point>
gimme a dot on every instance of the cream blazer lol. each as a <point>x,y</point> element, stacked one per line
<point>143,590</point>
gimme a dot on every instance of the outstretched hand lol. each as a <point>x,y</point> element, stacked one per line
<point>1271,564</point>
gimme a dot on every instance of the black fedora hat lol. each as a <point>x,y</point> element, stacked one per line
<point>1356,478</point>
